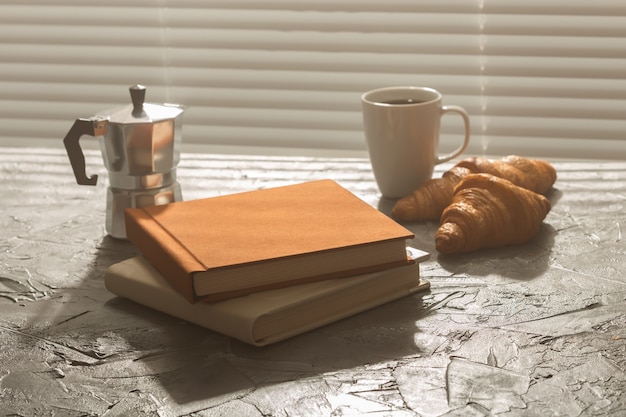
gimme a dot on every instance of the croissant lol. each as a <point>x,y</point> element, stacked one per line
<point>428,201</point>
<point>488,211</point>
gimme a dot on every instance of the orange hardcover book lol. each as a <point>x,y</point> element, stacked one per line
<point>222,247</point>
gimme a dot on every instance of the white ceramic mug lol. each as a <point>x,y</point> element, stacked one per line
<point>401,126</point>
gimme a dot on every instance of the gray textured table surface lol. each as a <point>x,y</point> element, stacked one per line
<point>534,330</point>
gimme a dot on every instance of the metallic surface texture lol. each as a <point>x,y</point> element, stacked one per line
<point>140,145</point>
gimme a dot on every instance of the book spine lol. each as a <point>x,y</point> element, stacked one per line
<point>220,296</point>
<point>155,244</point>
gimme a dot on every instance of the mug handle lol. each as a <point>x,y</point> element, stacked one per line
<point>458,151</point>
<point>95,126</point>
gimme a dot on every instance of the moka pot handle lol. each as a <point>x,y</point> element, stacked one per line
<point>94,126</point>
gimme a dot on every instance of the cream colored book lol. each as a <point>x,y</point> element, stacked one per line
<point>267,317</point>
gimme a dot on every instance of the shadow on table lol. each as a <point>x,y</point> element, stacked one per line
<point>521,262</point>
<point>198,368</point>
<point>92,336</point>
<point>194,364</point>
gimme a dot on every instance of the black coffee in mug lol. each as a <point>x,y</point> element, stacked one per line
<point>403,101</point>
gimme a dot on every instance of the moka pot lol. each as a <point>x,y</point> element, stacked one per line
<point>140,146</point>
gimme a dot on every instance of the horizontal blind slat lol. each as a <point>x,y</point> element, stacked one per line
<point>559,87</point>
<point>550,147</point>
<point>554,25</point>
<point>558,46</point>
<point>557,67</point>
<point>555,127</point>
<point>556,107</point>
<point>554,7</point>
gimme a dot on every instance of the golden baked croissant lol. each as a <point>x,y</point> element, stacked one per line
<point>428,201</point>
<point>488,211</point>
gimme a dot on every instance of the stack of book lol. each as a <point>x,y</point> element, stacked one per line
<point>265,265</point>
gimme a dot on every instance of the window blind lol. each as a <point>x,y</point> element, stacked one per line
<point>554,78</point>
<point>544,77</point>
